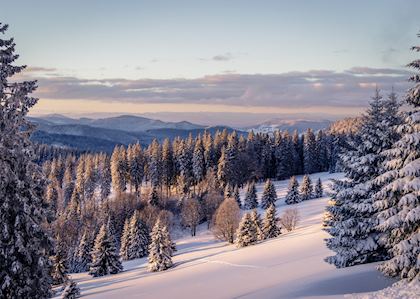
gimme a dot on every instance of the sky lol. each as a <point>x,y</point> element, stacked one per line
<point>315,59</point>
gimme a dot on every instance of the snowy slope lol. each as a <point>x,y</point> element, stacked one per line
<point>290,266</point>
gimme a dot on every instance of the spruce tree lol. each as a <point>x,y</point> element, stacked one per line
<point>105,259</point>
<point>293,195</point>
<point>310,155</point>
<point>60,263</point>
<point>398,202</point>
<point>250,201</point>
<point>198,161</point>
<point>106,177</point>
<point>153,196</point>
<point>269,195</point>
<point>256,219</point>
<point>138,239</point>
<point>352,215</point>
<point>125,240</point>
<point>306,188</point>
<point>247,232</point>
<point>318,189</point>
<point>83,258</point>
<point>136,167</point>
<point>160,248</point>
<point>71,290</point>
<point>236,196</point>
<point>270,227</point>
<point>24,245</point>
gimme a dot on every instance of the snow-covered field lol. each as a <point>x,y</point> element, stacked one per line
<point>290,266</point>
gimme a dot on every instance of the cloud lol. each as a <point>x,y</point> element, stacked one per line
<point>223,57</point>
<point>351,88</point>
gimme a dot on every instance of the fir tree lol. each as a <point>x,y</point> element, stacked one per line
<point>198,161</point>
<point>256,219</point>
<point>83,258</point>
<point>352,215</point>
<point>60,264</point>
<point>398,202</point>
<point>71,290</point>
<point>125,240</point>
<point>138,239</point>
<point>119,169</point>
<point>269,195</point>
<point>24,246</point>
<point>306,188</point>
<point>270,227</point>
<point>247,232</point>
<point>318,189</point>
<point>153,196</point>
<point>310,155</point>
<point>136,167</point>
<point>105,259</point>
<point>106,178</point>
<point>160,248</point>
<point>250,201</point>
<point>293,195</point>
<point>236,196</point>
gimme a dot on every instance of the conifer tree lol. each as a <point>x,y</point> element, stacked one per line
<point>168,165</point>
<point>83,258</point>
<point>247,232</point>
<point>125,240</point>
<point>155,164</point>
<point>119,169</point>
<point>228,192</point>
<point>397,202</point>
<point>310,155</point>
<point>68,186</point>
<point>105,259</point>
<point>236,196</point>
<point>198,161</point>
<point>270,227</point>
<point>153,196</point>
<point>352,216</point>
<point>136,167</point>
<point>106,178</point>
<point>269,195</point>
<point>138,238</point>
<point>293,195</point>
<point>160,248</point>
<point>256,219</point>
<point>250,201</point>
<point>318,189</point>
<point>24,246</point>
<point>60,263</point>
<point>306,188</point>
<point>71,290</point>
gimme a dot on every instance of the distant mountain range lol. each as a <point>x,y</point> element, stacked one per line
<point>103,134</point>
<point>289,125</point>
<point>88,134</point>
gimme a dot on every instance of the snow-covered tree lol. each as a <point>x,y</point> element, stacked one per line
<point>136,166</point>
<point>250,201</point>
<point>398,202</point>
<point>306,188</point>
<point>293,195</point>
<point>352,216</point>
<point>60,263</point>
<point>125,240</point>
<point>119,169</point>
<point>269,195</point>
<point>138,238</point>
<point>236,196</point>
<point>82,256</point>
<point>24,246</point>
<point>247,232</point>
<point>318,189</point>
<point>106,177</point>
<point>310,155</point>
<point>270,225</point>
<point>153,196</point>
<point>160,249</point>
<point>198,161</point>
<point>105,258</point>
<point>256,219</point>
<point>71,290</point>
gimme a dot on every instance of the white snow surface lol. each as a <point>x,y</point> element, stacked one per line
<point>290,266</point>
<point>401,290</point>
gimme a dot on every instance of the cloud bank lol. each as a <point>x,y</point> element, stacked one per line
<point>350,88</point>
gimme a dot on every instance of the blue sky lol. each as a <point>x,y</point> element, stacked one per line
<point>162,40</point>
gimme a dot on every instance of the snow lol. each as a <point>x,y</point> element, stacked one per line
<point>400,290</point>
<point>290,266</point>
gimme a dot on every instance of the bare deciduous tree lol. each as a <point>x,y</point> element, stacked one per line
<point>226,220</point>
<point>191,214</point>
<point>212,201</point>
<point>290,219</point>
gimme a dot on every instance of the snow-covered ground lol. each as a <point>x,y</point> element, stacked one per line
<point>290,266</point>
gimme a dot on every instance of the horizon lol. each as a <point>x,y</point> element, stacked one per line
<point>194,58</point>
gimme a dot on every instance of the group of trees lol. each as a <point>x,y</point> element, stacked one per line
<point>306,191</point>
<point>375,215</point>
